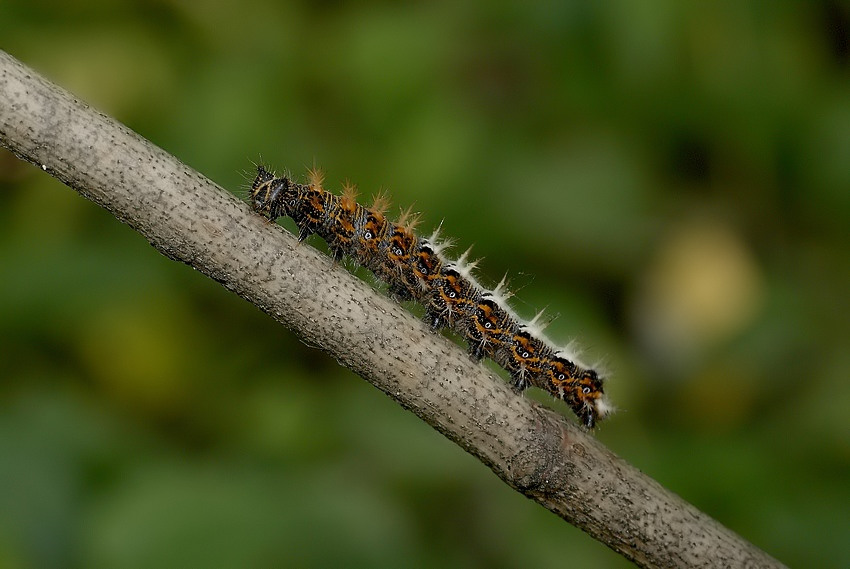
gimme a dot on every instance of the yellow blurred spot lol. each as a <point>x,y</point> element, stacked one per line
<point>703,287</point>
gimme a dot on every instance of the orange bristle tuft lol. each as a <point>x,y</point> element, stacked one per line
<point>409,219</point>
<point>381,203</point>
<point>315,177</point>
<point>349,193</point>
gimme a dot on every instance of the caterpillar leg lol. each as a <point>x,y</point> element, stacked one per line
<point>477,351</point>
<point>520,382</point>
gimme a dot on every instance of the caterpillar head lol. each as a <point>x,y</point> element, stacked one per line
<point>589,400</point>
<point>271,196</point>
<point>580,388</point>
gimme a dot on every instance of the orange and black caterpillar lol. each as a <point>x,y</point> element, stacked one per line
<point>415,268</point>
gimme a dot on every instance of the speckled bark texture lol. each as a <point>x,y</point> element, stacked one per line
<point>190,219</point>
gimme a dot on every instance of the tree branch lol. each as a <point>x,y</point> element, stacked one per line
<point>192,220</point>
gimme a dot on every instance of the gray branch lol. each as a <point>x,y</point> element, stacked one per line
<point>190,219</point>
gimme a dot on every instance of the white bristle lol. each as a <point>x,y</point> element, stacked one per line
<point>501,293</point>
<point>461,261</point>
<point>571,352</point>
<point>604,407</point>
<point>538,323</point>
<point>465,267</point>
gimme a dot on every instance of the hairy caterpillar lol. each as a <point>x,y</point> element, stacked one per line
<point>416,268</point>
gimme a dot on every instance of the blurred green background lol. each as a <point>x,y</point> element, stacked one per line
<point>670,178</point>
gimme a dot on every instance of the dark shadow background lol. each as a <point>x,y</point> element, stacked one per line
<point>671,179</point>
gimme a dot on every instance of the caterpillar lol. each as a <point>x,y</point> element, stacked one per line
<point>417,268</point>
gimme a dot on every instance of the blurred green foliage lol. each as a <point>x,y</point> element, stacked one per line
<point>672,178</point>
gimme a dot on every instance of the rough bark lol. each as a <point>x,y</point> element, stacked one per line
<point>192,220</point>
